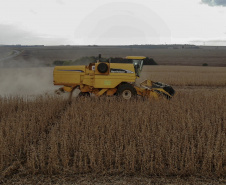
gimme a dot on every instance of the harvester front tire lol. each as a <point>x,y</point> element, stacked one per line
<point>126,91</point>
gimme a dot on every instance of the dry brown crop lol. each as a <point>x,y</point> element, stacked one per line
<point>182,137</point>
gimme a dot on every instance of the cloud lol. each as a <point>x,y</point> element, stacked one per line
<point>122,23</point>
<point>60,2</point>
<point>215,2</point>
<point>12,34</point>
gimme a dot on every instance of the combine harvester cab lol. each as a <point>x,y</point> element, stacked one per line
<point>106,78</point>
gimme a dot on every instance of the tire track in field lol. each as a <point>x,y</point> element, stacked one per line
<point>43,137</point>
<point>54,120</point>
<point>14,54</point>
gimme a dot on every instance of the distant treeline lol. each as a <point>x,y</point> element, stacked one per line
<point>87,60</point>
<point>147,61</point>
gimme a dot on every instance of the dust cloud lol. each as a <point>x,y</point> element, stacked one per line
<point>26,81</point>
<point>214,2</point>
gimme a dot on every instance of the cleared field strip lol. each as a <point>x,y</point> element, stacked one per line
<point>186,75</point>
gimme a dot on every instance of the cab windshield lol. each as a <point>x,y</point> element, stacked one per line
<point>138,65</point>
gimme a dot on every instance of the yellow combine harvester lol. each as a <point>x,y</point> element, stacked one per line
<point>106,78</point>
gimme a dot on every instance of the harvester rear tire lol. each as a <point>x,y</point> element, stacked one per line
<point>126,91</point>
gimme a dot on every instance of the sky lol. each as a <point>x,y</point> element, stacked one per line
<point>113,22</point>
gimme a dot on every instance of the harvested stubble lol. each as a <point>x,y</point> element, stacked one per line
<point>186,75</point>
<point>185,136</point>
